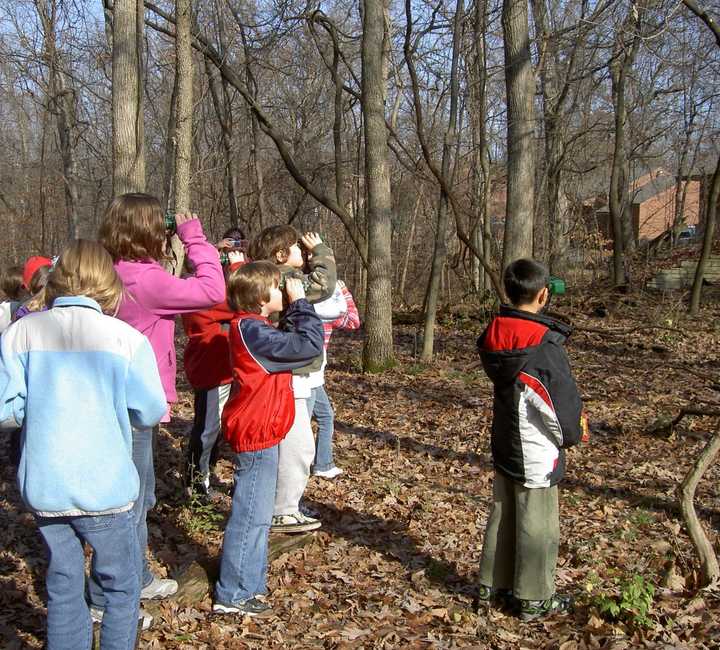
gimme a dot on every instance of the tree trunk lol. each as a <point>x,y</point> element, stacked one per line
<point>481,165</point>
<point>182,137</point>
<point>622,227</point>
<point>378,352</point>
<point>62,104</point>
<point>708,235</point>
<point>127,97</point>
<point>709,568</point>
<point>169,170</point>
<point>440,252</point>
<point>408,250</point>
<point>520,83</point>
<point>184,106</point>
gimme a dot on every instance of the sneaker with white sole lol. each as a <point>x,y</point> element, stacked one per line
<point>328,473</point>
<point>96,614</point>
<point>250,607</point>
<point>297,522</point>
<point>159,588</point>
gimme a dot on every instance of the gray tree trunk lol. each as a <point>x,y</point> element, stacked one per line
<point>520,84</point>
<point>620,67</point>
<point>378,352</point>
<point>440,252</point>
<point>184,103</point>
<point>127,97</point>
<point>710,219</point>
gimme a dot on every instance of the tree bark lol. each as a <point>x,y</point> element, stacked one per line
<point>440,252</point>
<point>127,97</point>
<point>708,236</point>
<point>520,84</point>
<point>378,353</point>
<point>480,231</point>
<point>709,568</point>
<point>184,105</point>
<point>62,104</point>
<point>620,66</point>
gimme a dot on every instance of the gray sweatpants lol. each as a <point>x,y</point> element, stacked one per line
<point>520,548</point>
<point>296,453</point>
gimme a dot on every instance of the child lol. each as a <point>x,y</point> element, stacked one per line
<point>319,405</point>
<point>207,367</point>
<point>536,415</point>
<point>76,474</point>
<point>35,276</point>
<point>15,294</point>
<point>134,234</point>
<point>279,244</point>
<point>256,418</point>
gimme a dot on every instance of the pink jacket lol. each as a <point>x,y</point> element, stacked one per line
<point>153,297</point>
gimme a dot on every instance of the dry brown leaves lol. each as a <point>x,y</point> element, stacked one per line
<point>395,563</point>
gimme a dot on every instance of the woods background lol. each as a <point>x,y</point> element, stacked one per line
<point>429,142</point>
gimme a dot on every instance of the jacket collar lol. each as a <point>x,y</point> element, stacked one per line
<point>76,301</point>
<point>551,323</point>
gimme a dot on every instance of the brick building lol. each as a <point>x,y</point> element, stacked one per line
<point>652,199</point>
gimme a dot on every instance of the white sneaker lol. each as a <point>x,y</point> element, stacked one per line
<point>96,614</point>
<point>328,473</point>
<point>159,588</point>
<point>297,522</point>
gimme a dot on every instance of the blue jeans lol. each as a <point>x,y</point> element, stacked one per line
<point>115,562</point>
<point>142,455</point>
<point>321,409</point>
<point>243,563</point>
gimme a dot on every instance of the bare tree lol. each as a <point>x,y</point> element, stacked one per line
<point>128,96</point>
<point>378,351</point>
<point>520,83</point>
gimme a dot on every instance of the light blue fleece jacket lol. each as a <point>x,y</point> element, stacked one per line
<point>77,381</point>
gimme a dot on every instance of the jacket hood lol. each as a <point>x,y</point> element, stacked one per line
<point>512,338</point>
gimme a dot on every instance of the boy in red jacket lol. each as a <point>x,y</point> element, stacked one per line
<point>207,368</point>
<point>258,415</point>
<point>537,414</point>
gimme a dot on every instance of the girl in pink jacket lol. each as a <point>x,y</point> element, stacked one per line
<point>134,233</point>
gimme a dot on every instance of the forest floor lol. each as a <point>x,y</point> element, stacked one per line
<point>395,563</point>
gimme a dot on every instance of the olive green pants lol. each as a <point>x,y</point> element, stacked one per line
<point>520,548</point>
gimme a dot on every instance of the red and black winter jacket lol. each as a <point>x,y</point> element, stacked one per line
<point>207,353</point>
<point>537,406</point>
<point>261,408</point>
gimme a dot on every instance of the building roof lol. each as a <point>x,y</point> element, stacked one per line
<point>653,188</point>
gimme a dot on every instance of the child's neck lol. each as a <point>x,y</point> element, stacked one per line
<point>532,308</point>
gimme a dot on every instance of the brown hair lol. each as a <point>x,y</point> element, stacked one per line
<point>134,228</point>
<point>250,285</point>
<point>37,285</point>
<point>271,241</point>
<point>39,280</point>
<point>85,268</point>
<point>12,283</point>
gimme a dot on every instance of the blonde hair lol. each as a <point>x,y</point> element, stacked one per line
<point>85,268</point>
<point>250,285</point>
<point>134,228</point>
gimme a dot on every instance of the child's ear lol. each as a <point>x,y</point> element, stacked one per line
<point>282,256</point>
<point>543,295</point>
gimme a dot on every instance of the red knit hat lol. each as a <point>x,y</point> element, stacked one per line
<point>33,264</point>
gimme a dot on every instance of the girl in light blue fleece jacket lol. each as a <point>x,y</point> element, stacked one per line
<point>77,380</point>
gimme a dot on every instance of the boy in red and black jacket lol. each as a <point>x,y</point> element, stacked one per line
<point>537,414</point>
<point>207,368</point>
<point>258,415</point>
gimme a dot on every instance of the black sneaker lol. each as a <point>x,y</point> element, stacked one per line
<point>251,607</point>
<point>534,609</point>
<point>488,596</point>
